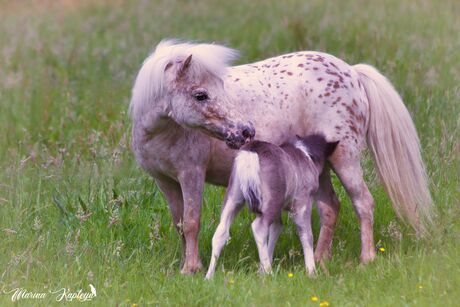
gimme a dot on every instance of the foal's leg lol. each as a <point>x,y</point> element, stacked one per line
<point>260,229</point>
<point>351,176</point>
<point>275,230</point>
<point>233,202</point>
<point>301,214</point>
<point>328,208</point>
<point>192,184</point>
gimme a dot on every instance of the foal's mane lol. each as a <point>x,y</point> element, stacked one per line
<point>150,82</point>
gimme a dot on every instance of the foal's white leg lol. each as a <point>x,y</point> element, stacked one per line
<point>232,205</point>
<point>275,230</point>
<point>301,214</point>
<point>260,229</point>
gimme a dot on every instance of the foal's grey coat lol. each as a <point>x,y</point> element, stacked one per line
<point>271,178</point>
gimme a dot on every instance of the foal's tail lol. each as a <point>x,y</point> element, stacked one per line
<point>395,146</point>
<point>247,172</point>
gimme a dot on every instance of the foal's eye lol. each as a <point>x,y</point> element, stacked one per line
<point>201,96</point>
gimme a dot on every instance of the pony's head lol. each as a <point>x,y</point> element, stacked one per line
<point>183,81</point>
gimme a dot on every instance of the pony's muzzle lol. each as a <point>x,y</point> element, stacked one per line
<point>236,138</point>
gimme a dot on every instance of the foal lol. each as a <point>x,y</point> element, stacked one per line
<point>271,178</point>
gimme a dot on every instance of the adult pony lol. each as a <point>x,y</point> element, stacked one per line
<point>186,100</point>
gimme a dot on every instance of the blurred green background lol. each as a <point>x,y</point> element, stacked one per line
<point>76,209</point>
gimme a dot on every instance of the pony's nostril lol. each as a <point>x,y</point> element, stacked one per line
<point>248,133</point>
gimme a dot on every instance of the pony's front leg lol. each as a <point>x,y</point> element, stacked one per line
<point>173,194</point>
<point>192,184</point>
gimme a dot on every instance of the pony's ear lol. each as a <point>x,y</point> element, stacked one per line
<point>185,66</point>
<point>330,147</point>
<point>168,66</point>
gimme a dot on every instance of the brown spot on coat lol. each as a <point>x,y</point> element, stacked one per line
<point>353,128</point>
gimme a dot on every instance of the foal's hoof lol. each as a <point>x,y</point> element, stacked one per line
<point>191,268</point>
<point>262,272</point>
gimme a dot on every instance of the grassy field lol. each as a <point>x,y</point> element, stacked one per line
<point>75,209</point>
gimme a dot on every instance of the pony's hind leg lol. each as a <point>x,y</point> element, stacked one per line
<point>351,175</point>
<point>301,214</point>
<point>260,229</point>
<point>233,202</point>
<point>328,207</point>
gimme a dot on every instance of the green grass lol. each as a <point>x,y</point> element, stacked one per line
<point>65,76</point>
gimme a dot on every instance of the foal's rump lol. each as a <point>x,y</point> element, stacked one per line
<point>256,169</point>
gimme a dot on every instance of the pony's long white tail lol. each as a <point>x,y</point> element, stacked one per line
<point>247,172</point>
<point>395,146</point>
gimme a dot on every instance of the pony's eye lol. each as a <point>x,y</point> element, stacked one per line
<point>201,96</point>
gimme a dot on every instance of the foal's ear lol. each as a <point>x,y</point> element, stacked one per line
<point>185,66</point>
<point>330,147</point>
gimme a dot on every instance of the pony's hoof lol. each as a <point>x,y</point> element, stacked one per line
<point>191,268</point>
<point>368,257</point>
<point>323,255</point>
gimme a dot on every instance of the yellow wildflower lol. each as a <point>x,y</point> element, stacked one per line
<point>314,298</point>
<point>324,304</point>
<point>420,286</point>
<point>290,275</point>
<point>134,305</point>
<point>382,249</point>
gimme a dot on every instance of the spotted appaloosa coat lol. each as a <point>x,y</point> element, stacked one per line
<point>315,92</point>
<point>305,93</point>
<point>299,93</point>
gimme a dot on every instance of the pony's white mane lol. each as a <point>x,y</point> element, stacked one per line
<point>150,81</point>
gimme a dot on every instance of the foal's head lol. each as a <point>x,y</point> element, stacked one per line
<point>186,80</point>
<point>317,147</point>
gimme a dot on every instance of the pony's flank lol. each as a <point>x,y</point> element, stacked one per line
<point>247,170</point>
<point>151,80</point>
